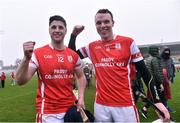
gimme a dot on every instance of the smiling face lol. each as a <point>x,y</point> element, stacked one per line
<point>104,24</point>
<point>57,31</point>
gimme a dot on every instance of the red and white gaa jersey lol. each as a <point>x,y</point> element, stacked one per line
<point>55,70</point>
<point>111,60</point>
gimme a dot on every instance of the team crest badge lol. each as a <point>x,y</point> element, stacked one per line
<point>118,46</point>
<point>70,59</point>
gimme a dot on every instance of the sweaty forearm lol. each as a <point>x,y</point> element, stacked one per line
<point>148,79</point>
<point>22,72</point>
<point>81,86</point>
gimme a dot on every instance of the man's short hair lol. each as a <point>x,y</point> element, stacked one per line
<point>104,11</point>
<point>57,18</point>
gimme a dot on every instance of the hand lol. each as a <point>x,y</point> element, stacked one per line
<point>28,48</point>
<point>162,108</point>
<point>161,88</point>
<point>77,29</point>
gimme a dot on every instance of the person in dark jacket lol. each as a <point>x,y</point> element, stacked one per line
<point>167,62</point>
<point>169,74</point>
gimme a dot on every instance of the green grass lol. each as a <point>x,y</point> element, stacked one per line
<point>17,103</point>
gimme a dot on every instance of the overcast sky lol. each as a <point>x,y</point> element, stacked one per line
<point>146,21</point>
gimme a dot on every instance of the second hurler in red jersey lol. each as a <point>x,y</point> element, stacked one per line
<point>111,61</point>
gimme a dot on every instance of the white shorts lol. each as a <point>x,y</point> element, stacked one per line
<point>115,114</point>
<point>50,118</point>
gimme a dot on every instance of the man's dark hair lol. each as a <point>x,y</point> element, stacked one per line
<point>57,18</point>
<point>104,11</point>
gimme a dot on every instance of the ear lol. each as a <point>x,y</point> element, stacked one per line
<point>66,31</point>
<point>113,23</point>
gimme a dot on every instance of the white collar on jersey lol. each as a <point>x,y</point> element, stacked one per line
<point>114,36</point>
<point>50,45</point>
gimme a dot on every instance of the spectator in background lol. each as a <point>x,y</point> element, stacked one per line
<point>12,76</point>
<point>168,72</point>
<point>87,74</point>
<point>3,79</point>
<point>167,63</point>
<point>90,66</point>
<point>0,82</point>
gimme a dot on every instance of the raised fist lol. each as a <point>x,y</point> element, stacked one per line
<point>28,48</point>
<point>77,29</point>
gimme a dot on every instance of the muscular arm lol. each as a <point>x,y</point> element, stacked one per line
<point>81,82</point>
<point>148,79</point>
<point>24,73</point>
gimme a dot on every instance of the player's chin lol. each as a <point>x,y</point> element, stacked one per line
<point>104,37</point>
<point>57,40</point>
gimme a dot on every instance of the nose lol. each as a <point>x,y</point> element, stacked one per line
<point>103,24</point>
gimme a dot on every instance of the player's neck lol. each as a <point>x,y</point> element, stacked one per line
<point>58,45</point>
<point>112,37</point>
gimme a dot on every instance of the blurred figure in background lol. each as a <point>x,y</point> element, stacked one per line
<point>167,63</point>
<point>168,73</point>
<point>3,79</point>
<point>87,75</point>
<point>12,76</point>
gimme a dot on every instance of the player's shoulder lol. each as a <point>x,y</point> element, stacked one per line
<point>70,50</point>
<point>126,38</point>
<point>45,47</point>
<point>95,42</point>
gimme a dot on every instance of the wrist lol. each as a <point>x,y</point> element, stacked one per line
<point>26,59</point>
<point>73,34</point>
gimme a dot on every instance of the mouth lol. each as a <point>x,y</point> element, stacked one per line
<point>57,35</point>
<point>104,30</point>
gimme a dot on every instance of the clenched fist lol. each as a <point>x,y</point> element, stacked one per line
<point>28,48</point>
<point>77,29</point>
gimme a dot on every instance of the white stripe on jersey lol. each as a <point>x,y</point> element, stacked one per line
<point>130,83</point>
<point>87,51</point>
<point>135,50</point>
<point>34,62</point>
<point>137,59</point>
<point>79,64</point>
<point>82,52</point>
<point>42,95</point>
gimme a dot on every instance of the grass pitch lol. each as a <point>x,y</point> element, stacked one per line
<point>17,103</point>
